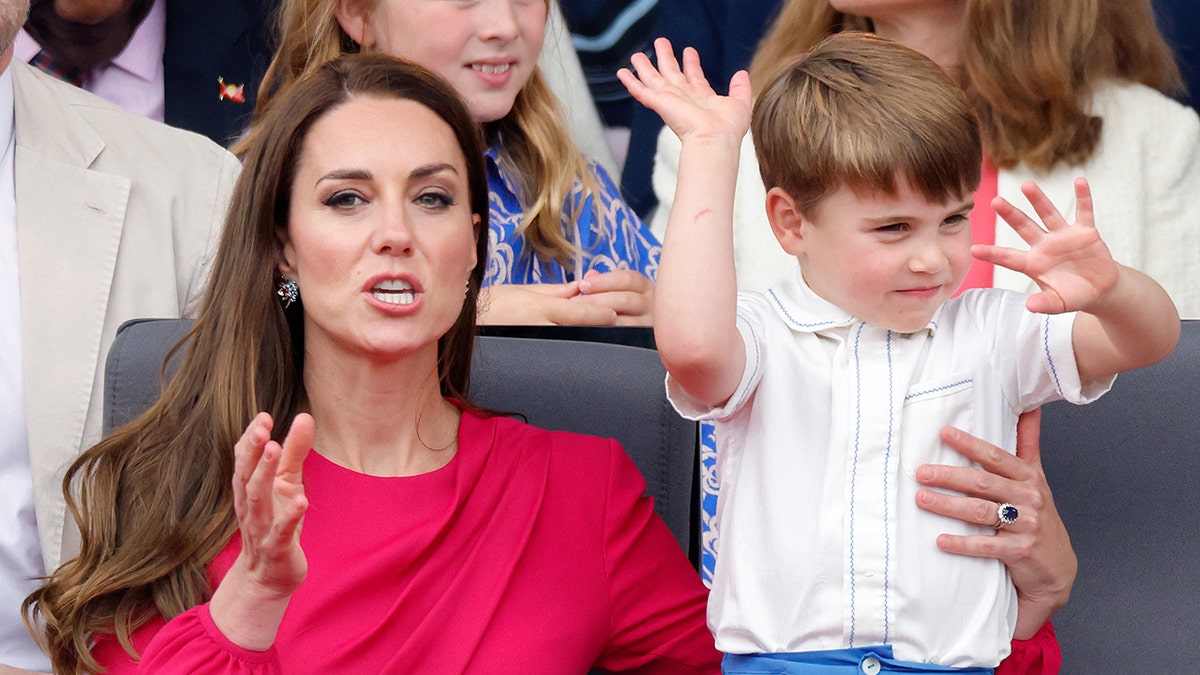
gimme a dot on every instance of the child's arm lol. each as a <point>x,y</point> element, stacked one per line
<point>1126,319</point>
<point>695,303</point>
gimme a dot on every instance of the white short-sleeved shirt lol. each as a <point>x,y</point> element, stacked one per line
<point>822,543</point>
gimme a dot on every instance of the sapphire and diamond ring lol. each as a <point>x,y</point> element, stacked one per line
<point>1006,514</point>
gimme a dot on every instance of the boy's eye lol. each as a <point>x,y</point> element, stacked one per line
<point>956,219</point>
<point>894,227</point>
<point>344,199</point>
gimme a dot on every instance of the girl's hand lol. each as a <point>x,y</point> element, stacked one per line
<point>627,292</point>
<point>540,305</point>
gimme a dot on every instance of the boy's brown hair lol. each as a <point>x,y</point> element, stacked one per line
<point>863,111</point>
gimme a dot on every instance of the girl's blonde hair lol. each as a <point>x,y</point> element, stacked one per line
<point>535,144</point>
<point>1029,68</point>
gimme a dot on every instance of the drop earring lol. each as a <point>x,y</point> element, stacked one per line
<point>288,292</point>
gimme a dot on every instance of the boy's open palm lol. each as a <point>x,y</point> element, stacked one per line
<point>684,99</point>
<point>1069,262</point>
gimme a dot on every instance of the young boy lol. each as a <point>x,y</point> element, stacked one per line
<point>831,388</point>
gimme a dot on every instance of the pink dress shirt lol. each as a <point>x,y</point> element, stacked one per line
<point>134,79</point>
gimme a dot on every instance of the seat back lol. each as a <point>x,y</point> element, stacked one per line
<point>603,389</point>
<point>1122,471</point>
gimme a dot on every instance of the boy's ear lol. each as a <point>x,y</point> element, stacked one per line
<point>787,222</point>
<point>354,16</point>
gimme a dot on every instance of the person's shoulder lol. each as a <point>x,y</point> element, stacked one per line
<point>978,315</point>
<point>123,132</point>
<point>513,429</point>
<point>1133,104</point>
<point>574,468</point>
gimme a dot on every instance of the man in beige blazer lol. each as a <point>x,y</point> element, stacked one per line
<point>116,217</point>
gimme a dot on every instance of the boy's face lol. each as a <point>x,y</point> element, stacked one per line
<point>891,260</point>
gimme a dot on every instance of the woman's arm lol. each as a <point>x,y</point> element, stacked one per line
<point>657,602</point>
<point>1036,548</point>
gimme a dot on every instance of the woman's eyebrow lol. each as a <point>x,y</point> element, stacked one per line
<point>347,174</point>
<point>430,169</point>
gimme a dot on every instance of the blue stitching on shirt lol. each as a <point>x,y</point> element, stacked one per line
<point>1049,358</point>
<point>887,458</point>
<point>944,387</point>
<point>854,468</point>
<point>801,324</point>
<point>757,361</point>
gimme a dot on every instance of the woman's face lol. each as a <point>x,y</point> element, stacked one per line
<point>380,236</point>
<point>487,49</point>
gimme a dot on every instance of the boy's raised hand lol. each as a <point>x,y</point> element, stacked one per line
<point>684,99</point>
<point>1069,262</point>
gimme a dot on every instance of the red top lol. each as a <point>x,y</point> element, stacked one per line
<point>537,554</point>
<point>1039,655</point>
<point>983,226</point>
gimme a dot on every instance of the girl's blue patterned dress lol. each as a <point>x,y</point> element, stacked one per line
<point>616,240</point>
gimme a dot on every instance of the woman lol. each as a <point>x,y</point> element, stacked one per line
<point>435,538</point>
<point>564,247</point>
<point>1062,89</point>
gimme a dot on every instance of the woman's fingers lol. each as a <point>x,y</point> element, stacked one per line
<point>246,454</point>
<point>296,446</point>
<point>987,455</point>
<point>258,510</point>
<point>1011,549</point>
<point>268,479</point>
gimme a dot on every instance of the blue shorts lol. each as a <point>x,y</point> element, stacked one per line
<point>860,661</point>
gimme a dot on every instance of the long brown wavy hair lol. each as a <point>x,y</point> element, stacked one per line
<point>534,143</point>
<point>1028,67</point>
<point>153,501</point>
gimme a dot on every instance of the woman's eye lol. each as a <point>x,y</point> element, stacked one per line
<point>344,200</point>
<point>434,200</point>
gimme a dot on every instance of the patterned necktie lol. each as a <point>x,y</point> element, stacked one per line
<point>52,66</point>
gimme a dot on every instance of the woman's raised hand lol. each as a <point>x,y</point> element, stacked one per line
<point>268,498</point>
<point>683,97</point>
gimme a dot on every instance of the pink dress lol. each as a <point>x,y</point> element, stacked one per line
<point>530,552</point>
